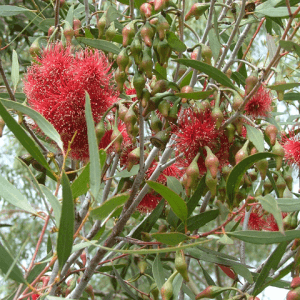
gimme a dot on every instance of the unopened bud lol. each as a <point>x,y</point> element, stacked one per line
<point>271,132</point>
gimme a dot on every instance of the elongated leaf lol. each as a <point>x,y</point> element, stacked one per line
<point>195,95</point>
<point>290,46</point>
<point>125,173</point>
<point>177,283</point>
<point>11,194</point>
<point>174,42</point>
<point>211,71</point>
<point>158,272</point>
<point>209,280</point>
<point>66,224</point>
<point>124,285</point>
<point>100,44</point>
<point>256,137</point>
<point>15,70</point>
<point>288,204</point>
<point>23,138</point>
<point>239,170</point>
<point>270,205</point>
<point>95,171</point>
<point>82,183</point>
<point>194,200</point>
<point>291,96</point>
<point>43,124</point>
<point>109,206</point>
<point>189,293</point>
<point>6,260</point>
<point>174,184</point>
<point>176,202</point>
<point>283,87</point>
<point>265,237</point>
<point>10,10</point>
<point>278,12</point>
<point>170,238</point>
<point>214,43</point>
<point>195,222</point>
<point>271,263</point>
<point>55,204</point>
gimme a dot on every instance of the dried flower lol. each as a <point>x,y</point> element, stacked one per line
<point>55,86</point>
<point>291,147</point>
<point>260,103</point>
<point>195,131</point>
<point>148,203</point>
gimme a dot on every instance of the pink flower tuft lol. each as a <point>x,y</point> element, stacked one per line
<point>260,103</point>
<point>195,131</point>
<point>55,86</point>
<point>148,203</point>
<point>292,150</point>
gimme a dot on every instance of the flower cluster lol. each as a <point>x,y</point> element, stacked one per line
<point>55,87</point>
<point>196,129</point>
<point>260,103</point>
<point>291,147</point>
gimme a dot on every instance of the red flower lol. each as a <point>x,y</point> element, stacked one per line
<point>260,103</point>
<point>148,203</point>
<point>55,86</point>
<point>172,170</point>
<point>256,219</point>
<point>34,297</point>
<point>129,92</point>
<point>292,150</point>
<point>195,131</point>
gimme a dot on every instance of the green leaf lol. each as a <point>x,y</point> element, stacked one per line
<point>100,44</point>
<point>10,193</point>
<point>70,16</point>
<point>214,43</point>
<point>271,263</point>
<point>213,72</point>
<point>288,204</point>
<point>194,200</point>
<point>235,176</point>
<point>174,42</point>
<point>265,237</point>
<point>124,174</point>
<point>290,46</point>
<point>9,10</point>
<point>195,222</point>
<point>95,171</point>
<point>148,223</point>
<point>270,205</point>
<point>158,272</point>
<point>109,206</point>
<point>15,70</point>
<point>82,183</point>
<point>55,204</point>
<point>170,238</point>
<point>291,96</point>
<point>209,280</point>
<point>6,260</point>
<point>189,293</point>
<point>176,202</point>
<point>255,136</point>
<point>174,184</point>
<point>123,285</point>
<point>278,12</point>
<point>177,283</point>
<point>43,124</point>
<point>225,240</point>
<point>195,95</point>
<point>283,87</point>
<point>55,298</point>
<point>66,224</point>
<point>23,138</point>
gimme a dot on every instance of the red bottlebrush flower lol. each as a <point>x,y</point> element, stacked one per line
<point>148,203</point>
<point>292,150</point>
<point>55,86</point>
<point>172,170</point>
<point>256,219</point>
<point>271,224</point>
<point>260,103</point>
<point>195,131</point>
<point>129,92</point>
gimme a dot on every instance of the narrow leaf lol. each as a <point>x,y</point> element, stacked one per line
<point>174,184</point>
<point>265,237</point>
<point>278,12</point>
<point>214,43</point>
<point>176,202</point>
<point>270,205</point>
<point>271,263</point>
<point>10,10</point>
<point>43,124</point>
<point>124,285</point>
<point>288,204</point>
<point>290,46</point>
<point>66,224</point>
<point>256,137</point>
<point>125,173</point>
<point>82,183</point>
<point>194,200</point>
<point>195,95</point>
<point>95,171</point>
<point>239,170</point>
<point>283,87</point>
<point>158,272</point>
<point>15,70</point>
<point>171,238</point>
<point>100,44</point>
<point>209,280</point>
<point>109,206</point>
<point>11,194</point>
<point>211,71</point>
<point>174,42</point>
